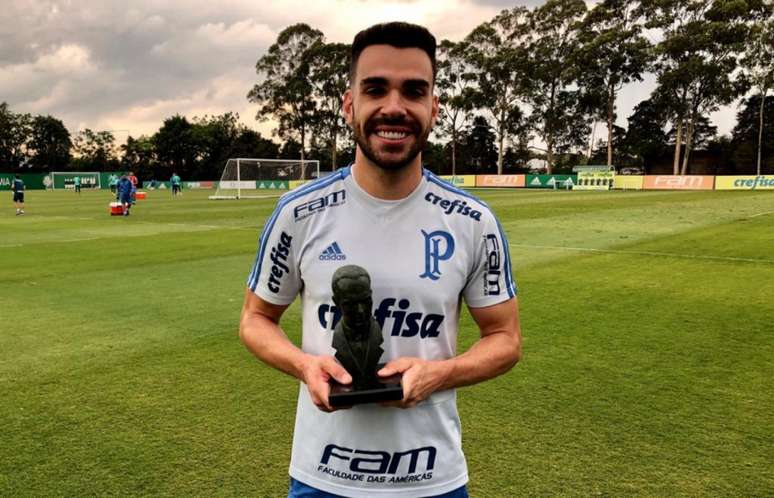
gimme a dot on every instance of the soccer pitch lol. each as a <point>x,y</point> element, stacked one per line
<point>648,322</point>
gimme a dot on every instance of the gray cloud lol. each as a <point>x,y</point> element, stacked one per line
<point>129,65</point>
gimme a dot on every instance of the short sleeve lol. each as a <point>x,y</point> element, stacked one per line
<point>491,280</point>
<point>275,277</point>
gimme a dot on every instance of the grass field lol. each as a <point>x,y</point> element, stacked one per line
<point>648,322</point>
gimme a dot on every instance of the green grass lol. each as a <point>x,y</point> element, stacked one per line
<point>648,322</point>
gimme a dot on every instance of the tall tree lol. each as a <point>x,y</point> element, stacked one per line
<point>498,51</point>
<point>455,86</point>
<point>758,63</point>
<point>49,145</point>
<point>555,26</point>
<point>284,90</point>
<point>139,157</point>
<point>753,144</point>
<point>646,138</point>
<point>15,132</point>
<point>95,150</point>
<point>176,145</point>
<point>214,138</point>
<point>697,59</point>
<point>612,52</point>
<point>329,76</point>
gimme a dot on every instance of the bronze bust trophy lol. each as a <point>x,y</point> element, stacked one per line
<point>357,339</point>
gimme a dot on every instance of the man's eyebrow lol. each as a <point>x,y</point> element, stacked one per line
<point>381,81</point>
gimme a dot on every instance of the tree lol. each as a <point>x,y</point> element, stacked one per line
<point>455,86</point>
<point>94,150</point>
<point>15,132</point>
<point>697,59</point>
<point>214,138</point>
<point>612,53</point>
<point>284,90</point>
<point>250,143</point>
<point>176,145</point>
<point>753,144</point>
<point>329,76</point>
<point>555,27</point>
<point>758,64</point>
<point>477,147</point>
<point>139,157</point>
<point>49,144</point>
<point>646,140</point>
<point>498,52</point>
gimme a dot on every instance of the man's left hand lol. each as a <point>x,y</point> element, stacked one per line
<point>421,378</point>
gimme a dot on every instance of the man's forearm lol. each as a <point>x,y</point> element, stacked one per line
<point>489,357</point>
<point>266,340</point>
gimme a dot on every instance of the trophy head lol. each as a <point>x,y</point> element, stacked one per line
<point>351,286</point>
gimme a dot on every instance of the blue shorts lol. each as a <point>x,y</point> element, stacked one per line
<point>300,490</point>
<point>18,197</point>
<point>126,199</point>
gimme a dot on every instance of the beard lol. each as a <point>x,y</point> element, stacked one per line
<point>387,159</point>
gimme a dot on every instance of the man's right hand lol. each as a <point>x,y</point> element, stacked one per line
<point>317,371</point>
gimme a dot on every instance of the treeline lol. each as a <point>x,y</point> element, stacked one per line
<point>550,74</point>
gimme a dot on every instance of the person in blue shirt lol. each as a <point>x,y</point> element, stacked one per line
<point>18,195</point>
<point>125,188</point>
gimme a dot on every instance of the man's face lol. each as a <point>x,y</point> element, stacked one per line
<point>355,302</point>
<point>390,105</point>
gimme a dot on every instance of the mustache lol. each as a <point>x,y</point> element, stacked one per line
<point>373,123</point>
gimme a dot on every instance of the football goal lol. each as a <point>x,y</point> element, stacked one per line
<point>66,179</point>
<point>245,178</point>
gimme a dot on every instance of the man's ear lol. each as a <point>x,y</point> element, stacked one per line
<point>434,114</point>
<point>346,107</point>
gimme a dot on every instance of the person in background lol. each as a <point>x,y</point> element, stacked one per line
<point>18,195</point>
<point>77,184</point>
<point>125,194</point>
<point>175,181</point>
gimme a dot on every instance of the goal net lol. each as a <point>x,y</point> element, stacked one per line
<point>253,178</point>
<point>66,179</point>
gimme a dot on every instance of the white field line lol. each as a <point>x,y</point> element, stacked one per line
<point>646,253</point>
<point>83,239</point>
<point>762,214</point>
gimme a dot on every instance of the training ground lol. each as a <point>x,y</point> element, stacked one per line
<point>648,323</point>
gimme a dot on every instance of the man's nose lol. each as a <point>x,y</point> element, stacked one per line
<point>393,104</point>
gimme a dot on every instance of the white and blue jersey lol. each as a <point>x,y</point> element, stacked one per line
<point>425,253</point>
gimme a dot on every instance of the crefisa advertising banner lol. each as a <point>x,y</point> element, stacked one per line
<point>762,182</point>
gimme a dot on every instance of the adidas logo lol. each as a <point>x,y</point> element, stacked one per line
<point>332,253</point>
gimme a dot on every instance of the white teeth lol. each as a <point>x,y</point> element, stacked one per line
<point>392,135</point>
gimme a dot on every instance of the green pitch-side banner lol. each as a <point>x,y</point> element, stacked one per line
<point>32,181</point>
<point>272,184</point>
<point>551,181</point>
<point>744,182</point>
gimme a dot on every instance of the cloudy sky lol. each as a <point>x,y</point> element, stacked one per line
<point>125,66</point>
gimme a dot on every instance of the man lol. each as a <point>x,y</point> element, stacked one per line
<point>113,181</point>
<point>425,244</point>
<point>134,182</point>
<point>18,195</point>
<point>175,181</point>
<point>125,188</point>
<point>77,184</point>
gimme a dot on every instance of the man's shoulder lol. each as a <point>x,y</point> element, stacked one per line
<point>455,202</point>
<point>315,196</point>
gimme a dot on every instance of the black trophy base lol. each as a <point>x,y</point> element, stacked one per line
<point>387,389</point>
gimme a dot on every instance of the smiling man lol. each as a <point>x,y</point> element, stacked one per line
<point>426,245</point>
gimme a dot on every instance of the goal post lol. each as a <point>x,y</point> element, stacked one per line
<point>59,180</point>
<point>248,178</point>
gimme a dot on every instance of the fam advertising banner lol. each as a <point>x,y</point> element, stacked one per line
<point>679,182</point>
<point>628,182</point>
<point>508,181</point>
<point>460,181</point>
<point>744,182</point>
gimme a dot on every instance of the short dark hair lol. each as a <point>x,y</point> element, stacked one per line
<point>395,34</point>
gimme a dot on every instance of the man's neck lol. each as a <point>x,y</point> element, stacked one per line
<point>385,184</point>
